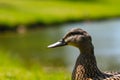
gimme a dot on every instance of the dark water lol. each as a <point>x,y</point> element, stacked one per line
<point>31,47</point>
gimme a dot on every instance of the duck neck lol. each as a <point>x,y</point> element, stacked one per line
<point>86,66</point>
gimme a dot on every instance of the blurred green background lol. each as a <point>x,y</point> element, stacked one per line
<point>27,27</point>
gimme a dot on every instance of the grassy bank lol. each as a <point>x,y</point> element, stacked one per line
<point>23,74</point>
<point>12,69</point>
<point>29,12</point>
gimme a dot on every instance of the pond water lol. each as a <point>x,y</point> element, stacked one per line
<point>30,48</point>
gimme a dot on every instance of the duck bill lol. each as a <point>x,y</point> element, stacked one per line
<point>57,44</point>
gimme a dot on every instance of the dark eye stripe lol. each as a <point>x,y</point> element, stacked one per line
<point>76,33</point>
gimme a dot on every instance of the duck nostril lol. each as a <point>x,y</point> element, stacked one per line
<point>63,41</point>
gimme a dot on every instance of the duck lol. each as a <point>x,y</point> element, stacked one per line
<point>86,66</point>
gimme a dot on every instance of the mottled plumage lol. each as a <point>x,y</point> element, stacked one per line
<point>86,66</point>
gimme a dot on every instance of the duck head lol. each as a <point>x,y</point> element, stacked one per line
<point>75,37</point>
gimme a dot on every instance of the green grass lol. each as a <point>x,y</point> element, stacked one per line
<point>12,69</point>
<point>24,74</point>
<point>17,12</point>
<point>15,73</point>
